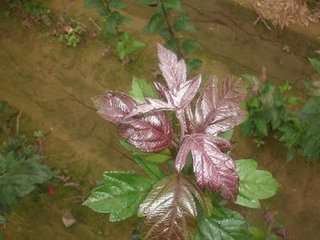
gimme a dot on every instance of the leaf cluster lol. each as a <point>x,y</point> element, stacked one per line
<point>71,35</point>
<point>190,174</point>
<point>21,171</point>
<point>172,23</point>
<point>35,9</point>
<point>112,20</point>
<point>270,113</point>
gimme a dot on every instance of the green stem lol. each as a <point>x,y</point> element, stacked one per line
<point>166,16</point>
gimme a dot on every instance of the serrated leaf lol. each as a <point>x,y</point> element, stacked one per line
<point>149,133</point>
<point>212,168</point>
<point>179,93</point>
<point>218,112</point>
<point>181,23</point>
<point>229,226</point>
<point>19,175</point>
<point>155,23</point>
<point>170,209</point>
<point>315,64</point>
<point>127,45</point>
<point>254,184</point>
<point>309,117</point>
<point>120,194</point>
<point>114,106</point>
<point>141,89</point>
<point>173,69</point>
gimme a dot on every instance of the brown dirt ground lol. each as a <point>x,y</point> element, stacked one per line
<point>53,85</point>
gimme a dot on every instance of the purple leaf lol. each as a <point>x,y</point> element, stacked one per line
<point>218,112</point>
<point>173,70</point>
<point>114,106</point>
<point>186,92</point>
<point>149,133</point>
<point>211,166</point>
<point>170,209</point>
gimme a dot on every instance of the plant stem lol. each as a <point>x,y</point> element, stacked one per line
<point>166,16</point>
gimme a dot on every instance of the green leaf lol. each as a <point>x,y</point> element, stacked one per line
<point>120,194</point>
<point>227,225</point>
<point>149,162</point>
<point>4,107</point>
<point>227,135</point>
<point>98,5</point>
<point>173,4</point>
<point>151,168</point>
<point>21,170</point>
<point>158,157</point>
<point>119,4</point>
<point>170,209</point>
<point>254,184</point>
<point>193,63</point>
<point>172,43</point>
<point>190,46</point>
<point>155,23</point>
<point>127,44</point>
<point>141,89</point>
<point>292,101</point>
<point>181,24</point>
<point>309,117</point>
<point>315,64</point>
<point>110,27</point>
<point>261,125</point>
<point>2,219</point>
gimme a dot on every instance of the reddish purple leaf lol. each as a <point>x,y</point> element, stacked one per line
<point>218,112</point>
<point>149,133</point>
<point>173,70</point>
<point>186,92</point>
<point>114,106</point>
<point>180,92</point>
<point>170,209</point>
<point>211,166</point>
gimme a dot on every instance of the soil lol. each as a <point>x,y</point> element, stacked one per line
<point>52,84</point>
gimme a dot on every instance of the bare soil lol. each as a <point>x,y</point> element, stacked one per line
<point>53,84</point>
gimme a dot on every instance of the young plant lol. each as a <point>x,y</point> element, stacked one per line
<point>171,23</point>
<point>33,9</point>
<point>112,20</point>
<point>21,166</point>
<point>269,114</point>
<point>71,35</point>
<point>190,174</point>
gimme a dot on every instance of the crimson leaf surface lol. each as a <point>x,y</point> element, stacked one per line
<point>212,167</point>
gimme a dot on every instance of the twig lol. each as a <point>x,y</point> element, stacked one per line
<point>18,122</point>
<point>95,24</point>
<point>263,21</point>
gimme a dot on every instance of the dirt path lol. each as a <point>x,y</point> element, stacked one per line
<point>53,85</point>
